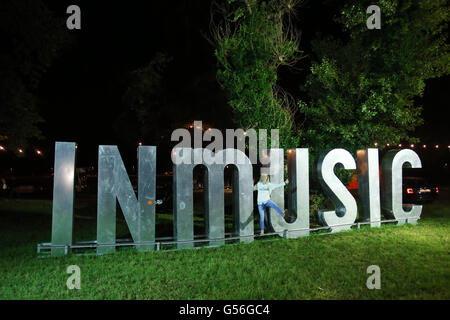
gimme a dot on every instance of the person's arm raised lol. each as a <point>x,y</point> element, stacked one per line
<point>277,185</point>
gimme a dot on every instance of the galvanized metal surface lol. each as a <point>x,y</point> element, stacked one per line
<point>346,208</point>
<point>63,187</point>
<point>276,168</point>
<point>369,185</point>
<point>114,183</point>
<point>183,199</point>
<point>298,191</point>
<point>214,186</point>
<point>392,179</point>
<point>146,196</point>
<point>242,193</point>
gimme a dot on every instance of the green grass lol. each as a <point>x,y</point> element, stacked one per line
<point>414,262</point>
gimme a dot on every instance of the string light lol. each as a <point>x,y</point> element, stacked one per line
<point>38,152</point>
<point>20,150</point>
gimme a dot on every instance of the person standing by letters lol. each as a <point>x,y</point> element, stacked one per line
<point>264,188</point>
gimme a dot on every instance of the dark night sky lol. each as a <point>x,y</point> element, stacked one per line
<point>83,91</point>
<point>81,95</point>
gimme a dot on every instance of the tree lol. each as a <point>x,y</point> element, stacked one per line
<point>31,39</point>
<point>361,90</point>
<point>253,40</point>
<point>146,99</point>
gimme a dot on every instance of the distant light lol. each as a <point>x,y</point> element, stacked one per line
<point>198,127</point>
<point>400,145</point>
<point>3,148</point>
<point>448,147</point>
<point>245,133</point>
<point>38,152</point>
<point>140,143</point>
<point>412,146</point>
<point>436,146</point>
<point>76,146</point>
<point>387,144</point>
<point>20,150</point>
<point>424,145</point>
<point>191,126</point>
<point>376,144</point>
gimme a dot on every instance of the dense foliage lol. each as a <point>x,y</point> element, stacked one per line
<point>145,99</point>
<point>361,90</point>
<point>253,40</point>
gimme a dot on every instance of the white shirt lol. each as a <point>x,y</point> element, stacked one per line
<point>264,190</point>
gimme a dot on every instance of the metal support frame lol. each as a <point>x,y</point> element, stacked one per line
<point>159,243</point>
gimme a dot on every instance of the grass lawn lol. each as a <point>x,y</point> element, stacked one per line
<point>414,262</point>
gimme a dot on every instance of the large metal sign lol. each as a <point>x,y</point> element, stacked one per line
<point>114,187</point>
<point>346,209</point>
<point>183,204</point>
